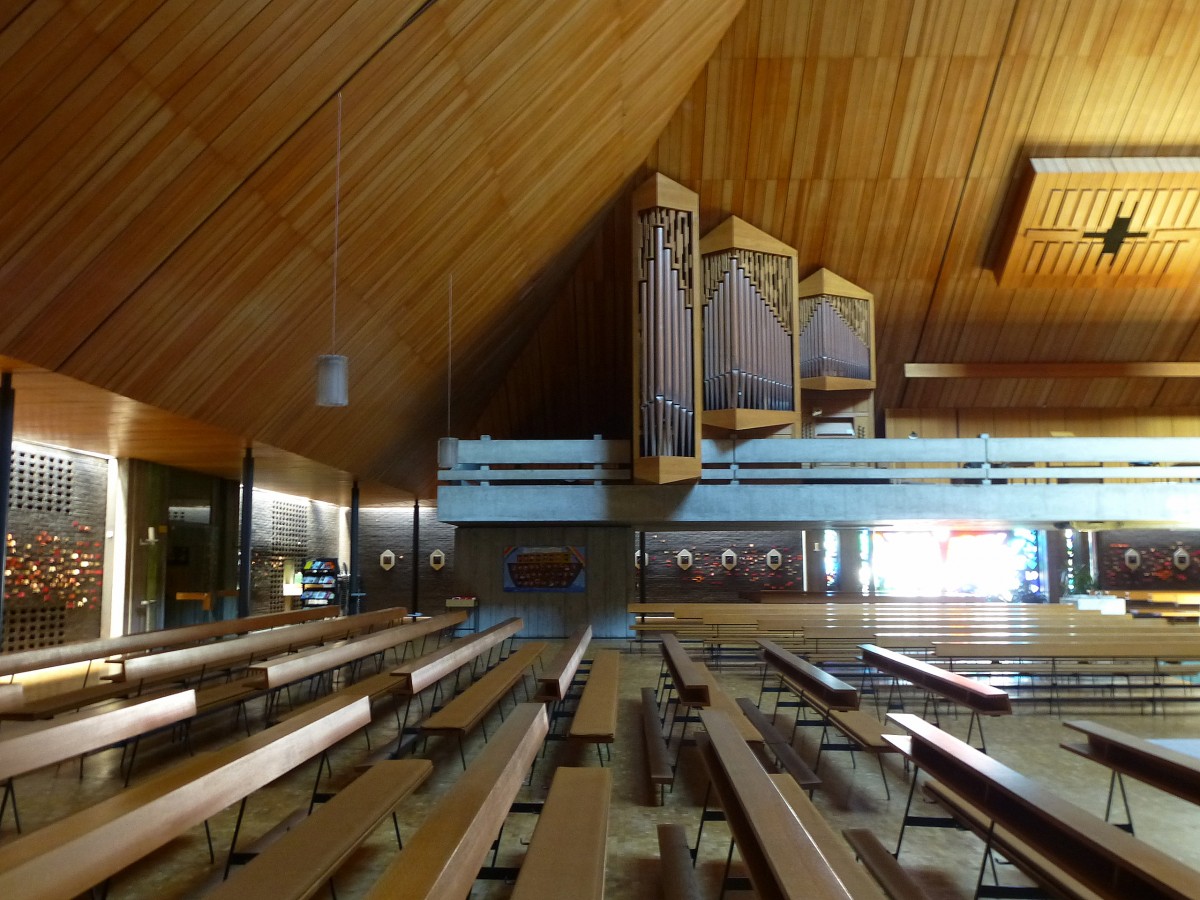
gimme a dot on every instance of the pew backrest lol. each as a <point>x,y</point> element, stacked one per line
<point>689,683</point>
<point>101,648</point>
<point>1105,859</point>
<point>73,735</point>
<point>783,859</point>
<point>69,856</point>
<point>442,859</point>
<point>259,645</point>
<point>555,680</point>
<point>975,695</point>
<point>831,692</point>
<point>279,672</point>
<point>1162,767</point>
<point>418,674</point>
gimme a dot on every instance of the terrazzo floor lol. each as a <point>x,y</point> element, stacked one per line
<point>945,862</point>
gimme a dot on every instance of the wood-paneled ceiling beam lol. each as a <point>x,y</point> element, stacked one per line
<point>1054,370</point>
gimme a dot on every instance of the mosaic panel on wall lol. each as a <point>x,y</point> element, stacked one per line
<point>54,559</point>
<point>708,578</point>
<point>1148,560</point>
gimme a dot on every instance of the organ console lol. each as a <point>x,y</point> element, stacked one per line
<point>666,322</point>
<point>749,310</point>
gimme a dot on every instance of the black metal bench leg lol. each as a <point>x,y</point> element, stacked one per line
<point>10,793</point>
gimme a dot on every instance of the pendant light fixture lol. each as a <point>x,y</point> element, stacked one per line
<point>333,371</point>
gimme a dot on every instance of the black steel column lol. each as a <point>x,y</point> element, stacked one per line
<point>247,533</point>
<point>643,567</point>
<point>7,401</point>
<point>355,590</point>
<point>416,550</point>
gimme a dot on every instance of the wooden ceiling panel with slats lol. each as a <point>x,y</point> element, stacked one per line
<point>166,205</point>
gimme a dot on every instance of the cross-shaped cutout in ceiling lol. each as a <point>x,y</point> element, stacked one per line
<point>1057,235</point>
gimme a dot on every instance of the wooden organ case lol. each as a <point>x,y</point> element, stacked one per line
<point>751,359</point>
<point>837,357</point>
<point>666,322</point>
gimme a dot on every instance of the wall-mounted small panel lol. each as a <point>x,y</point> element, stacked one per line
<point>751,361</point>
<point>1091,222</point>
<point>666,323</point>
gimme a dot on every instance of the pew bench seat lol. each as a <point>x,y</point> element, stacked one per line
<point>895,880</point>
<point>677,874</point>
<point>781,748</point>
<point>464,713</point>
<point>1026,858</point>
<point>861,730</point>
<point>659,770</point>
<point>567,848</point>
<point>307,857</point>
<point>71,855</point>
<point>595,718</point>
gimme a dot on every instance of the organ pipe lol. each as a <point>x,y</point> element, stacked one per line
<point>749,317</point>
<point>666,332</point>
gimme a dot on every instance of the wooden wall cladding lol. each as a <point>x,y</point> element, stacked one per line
<point>609,580</point>
<point>1048,422</point>
<point>167,186</point>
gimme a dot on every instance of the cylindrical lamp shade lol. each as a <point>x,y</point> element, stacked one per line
<point>333,376</point>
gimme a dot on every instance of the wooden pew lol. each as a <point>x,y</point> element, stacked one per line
<point>276,673</point>
<point>1148,655</point>
<point>418,674</point>
<point>595,719</point>
<point>658,762</point>
<point>677,872</point>
<point>422,671</point>
<point>242,651</point>
<point>1083,847</point>
<point>786,757</point>
<point>444,856</point>
<point>686,678</point>
<point>783,858</point>
<point>101,648</point>
<point>895,881</point>
<point>979,698</point>
<point>1144,760</point>
<point>567,851</point>
<point>179,666</point>
<point>301,862</point>
<point>12,696</point>
<point>71,855</point>
<point>834,701</point>
<point>465,712</point>
<point>84,733</point>
<point>556,678</point>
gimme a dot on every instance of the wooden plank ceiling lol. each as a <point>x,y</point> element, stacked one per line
<point>166,198</point>
<point>166,175</point>
<point>883,140</point>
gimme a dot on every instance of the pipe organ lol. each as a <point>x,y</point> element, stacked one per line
<point>749,313</point>
<point>837,333</point>
<point>837,356</point>
<point>666,373</point>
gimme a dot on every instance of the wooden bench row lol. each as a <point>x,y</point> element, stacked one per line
<point>142,642</point>
<point>446,854</point>
<point>73,854</point>
<point>783,857</point>
<point>836,704</point>
<point>1058,844</point>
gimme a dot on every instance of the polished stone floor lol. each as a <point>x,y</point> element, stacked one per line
<point>945,862</point>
